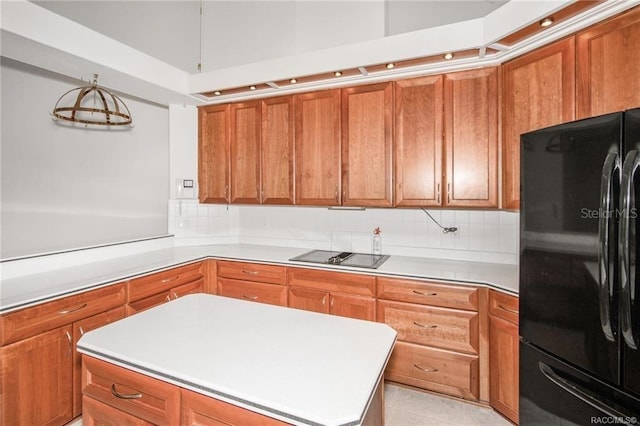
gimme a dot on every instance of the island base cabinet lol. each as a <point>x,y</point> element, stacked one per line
<point>36,380</point>
<point>433,369</point>
<point>200,410</point>
<point>141,396</point>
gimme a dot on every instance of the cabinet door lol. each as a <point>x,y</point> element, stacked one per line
<point>317,157</point>
<point>418,141</point>
<point>245,152</point>
<point>538,90</point>
<point>363,308</point>
<point>608,66</point>
<point>79,328</point>
<point>504,365</point>
<point>309,300</point>
<point>471,137</point>
<point>366,145</point>
<point>276,151</point>
<point>36,378</point>
<point>213,153</point>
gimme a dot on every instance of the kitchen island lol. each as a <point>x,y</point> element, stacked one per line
<point>287,365</point>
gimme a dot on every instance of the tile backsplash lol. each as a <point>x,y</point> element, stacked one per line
<point>489,236</point>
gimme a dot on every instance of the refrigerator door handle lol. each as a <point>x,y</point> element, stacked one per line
<point>627,269</point>
<point>579,392</point>
<point>605,281</point>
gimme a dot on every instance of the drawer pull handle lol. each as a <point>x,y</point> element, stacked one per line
<point>513,311</point>
<point>250,272</point>
<point>424,326</point>
<point>244,296</point>
<point>168,280</point>
<point>175,295</point>
<point>70,344</point>
<point>168,298</point>
<point>68,311</point>
<point>81,331</point>
<point>424,294</point>
<point>426,370</point>
<point>117,394</point>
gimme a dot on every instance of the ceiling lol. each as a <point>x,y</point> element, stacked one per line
<point>152,49</point>
<point>239,32</point>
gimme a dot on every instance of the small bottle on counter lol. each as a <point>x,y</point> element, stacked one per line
<point>376,242</point>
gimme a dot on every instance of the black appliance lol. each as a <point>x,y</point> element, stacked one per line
<point>342,258</point>
<point>579,290</point>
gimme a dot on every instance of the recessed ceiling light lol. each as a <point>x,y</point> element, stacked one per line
<point>448,56</point>
<point>252,87</point>
<point>390,65</point>
<point>293,81</point>
<point>337,73</point>
<point>546,22</point>
<point>217,93</point>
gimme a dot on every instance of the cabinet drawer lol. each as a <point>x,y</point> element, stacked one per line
<point>255,292</point>
<point>140,288</point>
<point>47,316</point>
<point>96,413</point>
<point>141,396</point>
<point>428,293</point>
<point>199,409</point>
<point>504,306</point>
<point>445,328</point>
<point>362,285</point>
<point>438,370</point>
<point>253,272</point>
<point>148,302</point>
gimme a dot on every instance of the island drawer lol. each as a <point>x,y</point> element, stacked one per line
<point>253,272</point>
<point>30,321</point>
<point>200,409</point>
<point>166,296</point>
<point>256,292</point>
<point>441,327</point>
<point>362,285</point>
<point>146,286</point>
<point>428,293</point>
<point>437,370</point>
<point>504,306</point>
<point>144,397</point>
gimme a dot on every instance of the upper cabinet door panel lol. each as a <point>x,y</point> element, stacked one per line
<point>471,137</point>
<point>213,153</point>
<point>418,141</point>
<point>367,122</point>
<point>317,156</point>
<point>277,150</point>
<point>538,90</point>
<point>608,66</point>
<point>245,152</point>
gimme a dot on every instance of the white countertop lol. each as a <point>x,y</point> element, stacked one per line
<point>32,289</point>
<point>300,367</point>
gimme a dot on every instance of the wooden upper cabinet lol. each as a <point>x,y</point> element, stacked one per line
<point>246,127</point>
<point>213,153</point>
<point>538,90</point>
<point>608,66</point>
<point>277,151</point>
<point>471,138</point>
<point>418,141</point>
<point>367,123</point>
<point>317,156</point>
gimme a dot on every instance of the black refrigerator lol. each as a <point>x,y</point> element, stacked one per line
<point>579,290</point>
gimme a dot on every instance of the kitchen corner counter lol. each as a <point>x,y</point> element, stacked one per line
<point>297,366</point>
<point>32,289</point>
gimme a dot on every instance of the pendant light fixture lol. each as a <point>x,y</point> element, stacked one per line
<point>92,105</point>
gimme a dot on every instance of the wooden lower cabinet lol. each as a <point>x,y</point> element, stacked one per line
<point>447,372</point>
<point>504,354</point>
<point>193,287</point>
<point>36,379</point>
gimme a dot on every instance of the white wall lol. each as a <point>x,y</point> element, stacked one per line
<point>66,188</point>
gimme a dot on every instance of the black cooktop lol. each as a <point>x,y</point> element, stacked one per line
<point>343,258</point>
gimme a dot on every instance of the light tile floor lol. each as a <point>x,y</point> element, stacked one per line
<point>408,407</point>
